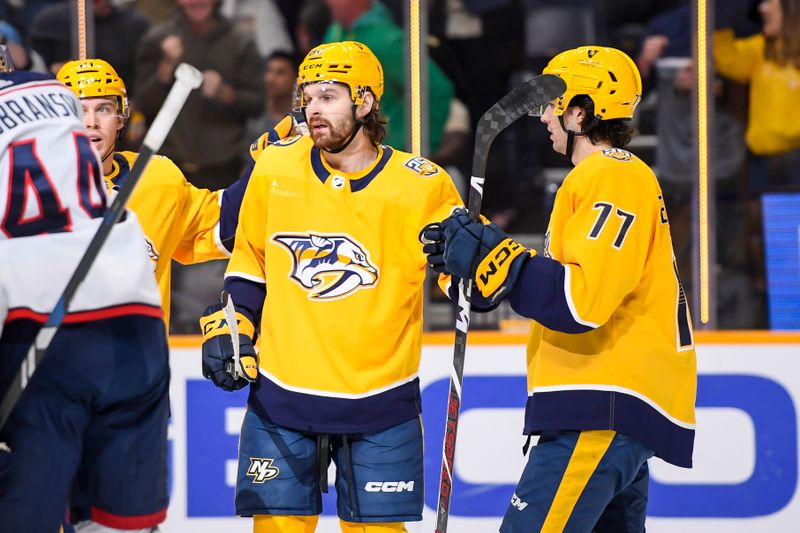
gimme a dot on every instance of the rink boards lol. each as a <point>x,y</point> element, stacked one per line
<point>746,454</point>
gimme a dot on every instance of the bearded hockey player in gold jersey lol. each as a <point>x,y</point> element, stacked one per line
<point>611,361</point>
<point>328,264</point>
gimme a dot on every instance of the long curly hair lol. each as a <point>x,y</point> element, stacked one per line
<point>374,124</point>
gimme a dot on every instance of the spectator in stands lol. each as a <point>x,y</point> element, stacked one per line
<point>666,57</point>
<point>207,138</point>
<point>312,21</point>
<point>369,22</point>
<point>117,32</point>
<point>156,11</point>
<point>770,63</point>
<point>10,37</point>
<point>485,41</point>
<point>454,153</point>
<point>280,74</point>
<point>20,13</point>
<point>263,20</point>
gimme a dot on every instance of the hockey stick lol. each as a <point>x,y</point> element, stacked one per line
<point>187,78</point>
<point>522,100</point>
<point>239,366</point>
<point>230,317</point>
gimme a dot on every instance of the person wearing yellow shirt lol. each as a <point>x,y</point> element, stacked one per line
<point>770,63</point>
<point>611,361</point>
<point>180,221</point>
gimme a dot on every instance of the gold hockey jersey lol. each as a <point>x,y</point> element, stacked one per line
<point>332,264</point>
<point>180,221</point>
<point>611,345</point>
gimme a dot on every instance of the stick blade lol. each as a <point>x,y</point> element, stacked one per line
<point>523,99</point>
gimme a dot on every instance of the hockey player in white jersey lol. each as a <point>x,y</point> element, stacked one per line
<point>98,401</point>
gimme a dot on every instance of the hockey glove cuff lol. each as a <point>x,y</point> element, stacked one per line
<point>218,354</point>
<point>499,269</point>
<point>482,252</point>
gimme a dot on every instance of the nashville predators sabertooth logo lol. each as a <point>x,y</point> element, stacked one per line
<point>328,266</point>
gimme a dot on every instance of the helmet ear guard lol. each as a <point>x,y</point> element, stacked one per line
<point>606,75</point>
<point>90,78</point>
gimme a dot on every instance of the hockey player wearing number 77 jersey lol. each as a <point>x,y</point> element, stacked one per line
<point>98,402</point>
<point>611,361</point>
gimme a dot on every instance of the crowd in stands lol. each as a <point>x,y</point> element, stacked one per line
<point>248,51</point>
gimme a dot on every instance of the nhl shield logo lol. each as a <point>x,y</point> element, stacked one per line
<point>328,266</point>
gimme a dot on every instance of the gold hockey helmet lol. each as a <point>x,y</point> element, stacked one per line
<point>89,78</point>
<point>347,62</point>
<point>606,75</point>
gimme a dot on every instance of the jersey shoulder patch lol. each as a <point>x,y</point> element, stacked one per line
<point>268,139</point>
<point>618,153</point>
<point>287,141</point>
<point>422,167</point>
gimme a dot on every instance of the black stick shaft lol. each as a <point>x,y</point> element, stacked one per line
<point>520,101</point>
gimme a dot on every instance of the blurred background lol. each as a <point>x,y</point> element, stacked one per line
<point>478,50</point>
<point>474,51</point>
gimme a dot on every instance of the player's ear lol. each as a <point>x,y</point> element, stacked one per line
<point>367,104</point>
<point>577,114</point>
<point>580,116</point>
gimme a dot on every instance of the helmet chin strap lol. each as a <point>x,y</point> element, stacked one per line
<point>353,132</point>
<point>572,134</point>
<point>117,138</point>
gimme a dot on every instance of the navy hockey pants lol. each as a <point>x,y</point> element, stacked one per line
<point>581,482</point>
<point>98,403</point>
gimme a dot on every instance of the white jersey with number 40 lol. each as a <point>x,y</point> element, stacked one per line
<point>50,178</point>
<point>52,198</point>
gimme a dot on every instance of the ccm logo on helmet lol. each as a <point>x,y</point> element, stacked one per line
<point>389,486</point>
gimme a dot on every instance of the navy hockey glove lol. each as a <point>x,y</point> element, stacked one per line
<point>482,252</point>
<point>432,238</point>
<point>218,356</point>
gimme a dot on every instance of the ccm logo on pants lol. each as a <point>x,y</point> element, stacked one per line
<point>389,486</point>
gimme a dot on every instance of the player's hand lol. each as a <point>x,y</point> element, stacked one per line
<point>218,357</point>
<point>484,253</point>
<point>212,84</point>
<point>171,54</point>
<point>432,238</point>
<point>172,49</point>
<point>288,126</point>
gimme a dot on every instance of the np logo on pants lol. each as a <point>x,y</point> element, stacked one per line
<point>262,470</point>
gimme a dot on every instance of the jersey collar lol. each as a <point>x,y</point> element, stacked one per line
<point>359,180</point>
<point>119,171</point>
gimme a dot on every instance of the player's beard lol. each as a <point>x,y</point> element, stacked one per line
<point>336,135</point>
